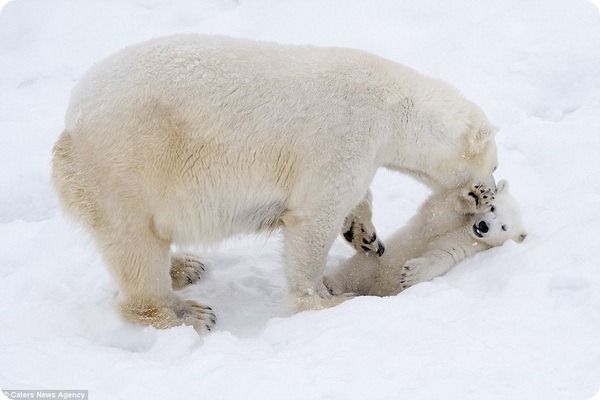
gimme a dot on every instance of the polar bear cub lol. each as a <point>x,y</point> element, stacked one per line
<point>449,227</point>
<point>192,139</point>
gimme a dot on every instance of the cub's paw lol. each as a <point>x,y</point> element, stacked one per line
<point>363,237</point>
<point>476,198</point>
<point>185,270</point>
<point>414,271</point>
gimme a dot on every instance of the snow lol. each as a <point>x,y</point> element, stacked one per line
<point>515,322</point>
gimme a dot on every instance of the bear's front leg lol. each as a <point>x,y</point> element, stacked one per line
<point>358,228</point>
<point>307,241</point>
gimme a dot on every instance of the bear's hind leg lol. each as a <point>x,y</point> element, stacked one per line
<point>140,262</point>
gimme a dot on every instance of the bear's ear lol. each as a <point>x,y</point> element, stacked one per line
<point>520,237</point>
<point>501,185</point>
<point>480,137</point>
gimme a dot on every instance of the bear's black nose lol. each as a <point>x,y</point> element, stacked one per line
<point>483,227</point>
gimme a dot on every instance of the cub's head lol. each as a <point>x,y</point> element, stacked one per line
<point>502,222</point>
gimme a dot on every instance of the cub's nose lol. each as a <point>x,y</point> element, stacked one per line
<point>483,227</point>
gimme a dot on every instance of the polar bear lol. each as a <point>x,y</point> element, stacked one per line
<point>449,227</point>
<point>193,139</point>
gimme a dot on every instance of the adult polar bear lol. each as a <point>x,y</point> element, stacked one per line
<point>192,138</point>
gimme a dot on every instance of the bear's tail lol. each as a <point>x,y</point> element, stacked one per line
<point>70,184</point>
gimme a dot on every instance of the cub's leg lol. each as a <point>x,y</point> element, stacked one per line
<point>422,269</point>
<point>185,270</point>
<point>358,228</point>
<point>354,275</point>
<point>140,263</point>
<point>445,253</point>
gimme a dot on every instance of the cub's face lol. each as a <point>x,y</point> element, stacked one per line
<point>502,222</point>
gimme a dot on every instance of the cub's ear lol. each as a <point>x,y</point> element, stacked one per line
<point>501,185</point>
<point>480,136</point>
<point>520,237</point>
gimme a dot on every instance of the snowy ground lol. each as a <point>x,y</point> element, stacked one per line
<point>516,322</point>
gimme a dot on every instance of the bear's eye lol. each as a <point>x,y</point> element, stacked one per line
<point>493,209</point>
<point>504,227</point>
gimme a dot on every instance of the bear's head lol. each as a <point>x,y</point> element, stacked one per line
<point>479,158</point>
<point>471,156</point>
<point>502,222</point>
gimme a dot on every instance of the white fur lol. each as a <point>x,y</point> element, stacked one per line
<point>189,138</point>
<point>442,234</point>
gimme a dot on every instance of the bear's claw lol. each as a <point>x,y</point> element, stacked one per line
<point>185,270</point>
<point>364,239</point>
